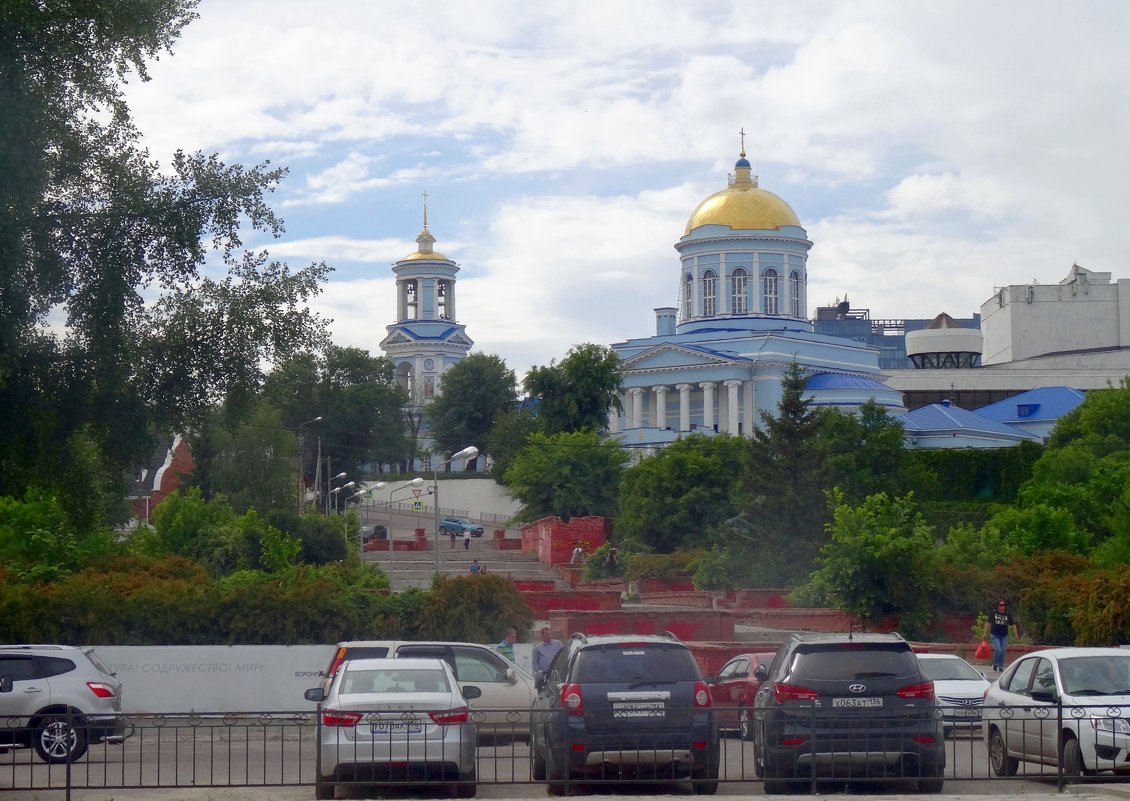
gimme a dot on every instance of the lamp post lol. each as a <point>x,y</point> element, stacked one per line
<point>301,482</point>
<point>470,452</point>
<point>412,484</point>
<point>329,483</point>
<point>336,490</point>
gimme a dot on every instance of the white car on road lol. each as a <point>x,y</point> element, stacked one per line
<point>1024,722</point>
<point>958,688</point>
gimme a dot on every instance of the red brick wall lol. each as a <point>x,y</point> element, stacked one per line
<point>553,540</point>
<point>180,465</point>
<point>686,624</point>
<point>543,603</point>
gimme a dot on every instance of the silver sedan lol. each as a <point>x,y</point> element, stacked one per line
<point>395,721</point>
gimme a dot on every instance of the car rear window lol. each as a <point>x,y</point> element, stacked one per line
<point>853,661</point>
<point>613,664</point>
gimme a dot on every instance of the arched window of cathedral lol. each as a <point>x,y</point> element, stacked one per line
<point>770,291</point>
<point>688,296</point>
<point>442,289</point>
<point>738,283</point>
<point>794,293</point>
<point>411,300</point>
<point>709,293</point>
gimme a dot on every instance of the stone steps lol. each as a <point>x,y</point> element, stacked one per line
<point>416,568</point>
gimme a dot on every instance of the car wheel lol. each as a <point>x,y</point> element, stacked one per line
<point>537,766</point>
<point>323,790</point>
<point>1003,764</point>
<point>706,783</point>
<point>466,787</point>
<point>745,723</point>
<point>555,774</point>
<point>58,742</point>
<point>1073,759</point>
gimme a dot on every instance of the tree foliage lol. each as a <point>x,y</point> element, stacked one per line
<point>670,500</point>
<point>567,475</point>
<point>476,608</point>
<point>126,254</point>
<point>477,392</point>
<point>579,392</point>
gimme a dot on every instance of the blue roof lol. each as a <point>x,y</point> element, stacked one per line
<point>947,417</point>
<point>1045,403</point>
<point>843,381</point>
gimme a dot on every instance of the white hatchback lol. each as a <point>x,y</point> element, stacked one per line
<point>1024,721</point>
<point>958,688</point>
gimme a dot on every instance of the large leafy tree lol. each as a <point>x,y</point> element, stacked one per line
<point>477,391</point>
<point>864,453</point>
<point>128,302</point>
<point>671,499</point>
<point>567,475</point>
<point>579,392</point>
<point>358,399</point>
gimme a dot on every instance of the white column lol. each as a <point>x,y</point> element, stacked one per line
<point>660,420</point>
<point>684,406</point>
<point>637,407</point>
<point>732,406</point>
<point>750,409</point>
<point>613,422</point>
<point>707,404</point>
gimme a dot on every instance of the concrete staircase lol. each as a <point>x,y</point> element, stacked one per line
<point>415,568</point>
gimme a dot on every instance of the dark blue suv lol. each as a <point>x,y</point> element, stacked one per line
<point>626,706</point>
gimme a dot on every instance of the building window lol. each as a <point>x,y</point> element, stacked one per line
<point>411,306</point>
<point>794,293</point>
<point>441,299</point>
<point>709,293</point>
<point>688,296</point>
<point>738,282</point>
<point>770,291</point>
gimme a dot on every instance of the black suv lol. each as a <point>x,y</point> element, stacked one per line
<point>610,706</point>
<point>843,706</point>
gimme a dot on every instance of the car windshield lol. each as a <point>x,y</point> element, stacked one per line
<point>1096,675</point>
<point>635,663</point>
<point>955,669</point>
<point>395,680</point>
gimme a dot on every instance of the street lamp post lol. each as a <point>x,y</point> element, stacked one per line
<point>329,483</point>
<point>412,484</point>
<point>470,452</point>
<point>301,482</point>
<point>336,490</point>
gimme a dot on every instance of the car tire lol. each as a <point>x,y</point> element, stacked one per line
<point>1073,759</point>
<point>323,791</point>
<point>57,741</point>
<point>555,774</point>
<point>466,787</point>
<point>706,783</point>
<point>1002,764</point>
<point>745,723</point>
<point>537,766</point>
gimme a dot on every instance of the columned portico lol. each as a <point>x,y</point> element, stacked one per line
<point>707,404</point>
<point>636,420</point>
<point>684,406</point>
<point>660,420</point>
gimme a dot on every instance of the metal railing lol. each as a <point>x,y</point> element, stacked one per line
<point>290,748</point>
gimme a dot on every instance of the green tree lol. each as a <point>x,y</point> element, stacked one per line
<point>510,435</point>
<point>477,392</point>
<point>878,561</point>
<point>567,475</point>
<point>864,453</point>
<point>473,609</point>
<point>94,230</point>
<point>579,392</point>
<point>670,500</point>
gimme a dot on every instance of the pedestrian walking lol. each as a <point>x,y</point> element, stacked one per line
<point>476,568</point>
<point>466,540</point>
<point>996,628</point>
<point>545,650</point>
<point>452,535</point>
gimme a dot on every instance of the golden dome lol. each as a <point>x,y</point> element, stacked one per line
<point>432,255</point>
<point>743,206</point>
<point>425,241</point>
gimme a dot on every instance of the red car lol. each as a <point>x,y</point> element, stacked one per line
<point>733,689</point>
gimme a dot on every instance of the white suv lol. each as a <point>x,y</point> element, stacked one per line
<point>58,699</point>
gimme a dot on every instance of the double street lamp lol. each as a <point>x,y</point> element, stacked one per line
<point>470,452</point>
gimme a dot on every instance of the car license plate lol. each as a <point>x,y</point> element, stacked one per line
<point>395,728</point>
<point>640,709</point>
<point>856,703</point>
<point>967,713</point>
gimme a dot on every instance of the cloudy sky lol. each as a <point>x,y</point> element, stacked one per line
<point>932,150</point>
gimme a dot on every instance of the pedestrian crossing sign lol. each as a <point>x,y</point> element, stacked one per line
<point>417,506</point>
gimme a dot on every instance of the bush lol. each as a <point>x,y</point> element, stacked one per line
<point>478,608</point>
<point>667,567</point>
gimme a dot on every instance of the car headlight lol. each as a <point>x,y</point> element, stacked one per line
<point>1112,725</point>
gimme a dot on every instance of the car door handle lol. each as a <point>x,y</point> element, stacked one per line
<point>29,690</point>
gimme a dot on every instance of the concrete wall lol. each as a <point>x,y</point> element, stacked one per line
<point>473,497</point>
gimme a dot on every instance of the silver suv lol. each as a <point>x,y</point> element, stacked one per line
<point>58,699</point>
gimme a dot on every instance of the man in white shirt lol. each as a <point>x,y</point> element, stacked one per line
<point>545,650</point>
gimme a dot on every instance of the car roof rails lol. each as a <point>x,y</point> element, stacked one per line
<point>672,636</point>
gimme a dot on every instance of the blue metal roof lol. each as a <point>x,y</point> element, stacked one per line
<point>842,381</point>
<point>1045,403</point>
<point>947,417</point>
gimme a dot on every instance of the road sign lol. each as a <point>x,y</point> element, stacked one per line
<point>417,492</point>
<point>418,506</point>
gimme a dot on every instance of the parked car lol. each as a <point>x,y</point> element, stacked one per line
<point>615,705</point>
<point>58,699</point>
<point>502,708</point>
<point>400,720</point>
<point>1023,721</point>
<point>459,525</point>
<point>733,690</point>
<point>846,705</point>
<point>958,688</point>
<point>375,532</point>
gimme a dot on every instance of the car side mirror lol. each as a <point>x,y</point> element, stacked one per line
<point>511,676</point>
<point>1044,696</point>
<point>761,673</point>
<point>316,694</point>
<point>471,692</point>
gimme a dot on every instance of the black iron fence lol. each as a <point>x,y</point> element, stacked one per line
<point>273,749</point>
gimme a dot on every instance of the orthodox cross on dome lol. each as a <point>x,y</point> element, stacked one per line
<point>425,211</point>
<point>741,131</point>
